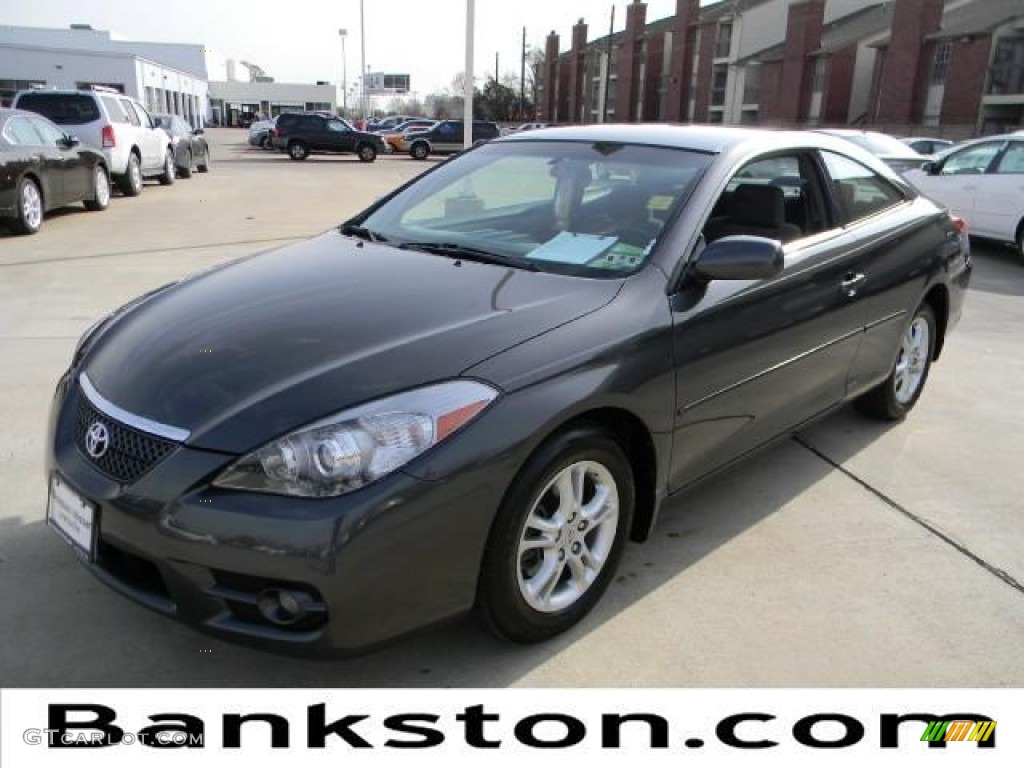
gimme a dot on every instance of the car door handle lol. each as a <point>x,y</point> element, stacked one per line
<point>851,282</point>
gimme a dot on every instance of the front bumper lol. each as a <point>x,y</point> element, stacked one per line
<point>397,555</point>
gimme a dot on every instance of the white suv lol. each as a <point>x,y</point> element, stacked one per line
<point>134,146</point>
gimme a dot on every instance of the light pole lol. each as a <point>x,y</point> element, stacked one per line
<point>343,33</point>
<point>467,96</point>
<point>362,60</point>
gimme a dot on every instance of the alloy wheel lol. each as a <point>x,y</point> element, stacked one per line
<point>912,361</point>
<point>568,536</point>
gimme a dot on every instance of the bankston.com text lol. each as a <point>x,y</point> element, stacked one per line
<point>92,726</point>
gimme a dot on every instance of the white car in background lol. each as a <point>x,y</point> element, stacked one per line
<point>983,182</point>
<point>135,147</point>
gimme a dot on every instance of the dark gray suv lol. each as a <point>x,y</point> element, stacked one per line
<point>303,133</point>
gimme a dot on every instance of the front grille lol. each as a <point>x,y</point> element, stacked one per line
<point>130,453</point>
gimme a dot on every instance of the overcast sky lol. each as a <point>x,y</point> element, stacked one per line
<point>297,40</point>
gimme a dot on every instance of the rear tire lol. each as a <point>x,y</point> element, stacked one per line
<point>298,151</point>
<point>131,182</point>
<point>558,536</point>
<point>204,166</point>
<point>894,398</point>
<point>100,190</point>
<point>29,216</point>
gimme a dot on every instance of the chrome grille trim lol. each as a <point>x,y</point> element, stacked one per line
<point>140,423</point>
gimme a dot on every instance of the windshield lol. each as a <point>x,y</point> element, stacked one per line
<point>595,209</point>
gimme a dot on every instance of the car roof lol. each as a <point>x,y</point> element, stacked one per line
<point>713,139</point>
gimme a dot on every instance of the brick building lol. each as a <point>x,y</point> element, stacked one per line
<point>951,67</point>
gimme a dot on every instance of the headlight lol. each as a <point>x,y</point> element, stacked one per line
<point>355,447</point>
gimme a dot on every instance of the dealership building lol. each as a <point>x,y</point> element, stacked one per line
<point>949,67</point>
<point>165,77</point>
<point>184,79</point>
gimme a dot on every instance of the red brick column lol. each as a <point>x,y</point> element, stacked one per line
<point>681,68</point>
<point>628,66</point>
<point>902,79</point>
<point>804,21</point>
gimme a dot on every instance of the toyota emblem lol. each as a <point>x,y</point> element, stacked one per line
<point>97,440</point>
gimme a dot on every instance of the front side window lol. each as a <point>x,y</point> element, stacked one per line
<point>972,160</point>
<point>336,126</point>
<point>774,197</point>
<point>576,207</point>
<point>859,191</point>
<point>51,134</point>
<point>130,113</point>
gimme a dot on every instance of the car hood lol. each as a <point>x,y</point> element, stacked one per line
<point>256,348</point>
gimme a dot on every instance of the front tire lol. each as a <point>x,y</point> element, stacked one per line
<point>185,170</point>
<point>558,537</point>
<point>894,398</point>
<point>298,151</point>
<point>167,177</point>
<point>204,166</point>
<point>29,216</point>
<point>367,153</point>
<point>100,190</point>
<point>419,151</point>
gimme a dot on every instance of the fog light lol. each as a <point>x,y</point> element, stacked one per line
<point>283,606</point>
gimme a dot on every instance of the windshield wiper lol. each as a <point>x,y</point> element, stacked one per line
<point>355,230</point>
<point>468,253</point>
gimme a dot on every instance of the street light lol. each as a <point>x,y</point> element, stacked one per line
<point>362,60</point>
<point>343,33</point>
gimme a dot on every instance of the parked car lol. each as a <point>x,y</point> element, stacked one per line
<point>927,146</point>
<point>387,123</point>
<point>303,133</point>
<point>523,127</point>
<point>42,168</point>
<point>393,138</point>
<point>135,148</point>
<point>259,133</point>
<point>474,392</point>
<point>893,152</point>
<point>190,146</point>
<point>983,181</point>
<point>445,138</point>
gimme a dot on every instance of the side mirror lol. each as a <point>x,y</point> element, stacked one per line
<point>198,132</point>
<point>740,257</point>
<point>930,167</point>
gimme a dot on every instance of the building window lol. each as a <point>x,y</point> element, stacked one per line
<point>716,117</point>
<point>8,89</point>
<point>748,117</point>
<point>719,79</point>
<point>723,43</point>
<point>1007,75</point>
<point>820,72</point>
<point>940,63</point>
<point>752,84</point>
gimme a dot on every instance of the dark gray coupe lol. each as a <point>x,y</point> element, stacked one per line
<point>472,394</point>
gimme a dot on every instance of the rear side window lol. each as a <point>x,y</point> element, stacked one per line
<point>114,111</point>
<point>1012,160</point>
<point>62,108</point>
<point>859,191</point>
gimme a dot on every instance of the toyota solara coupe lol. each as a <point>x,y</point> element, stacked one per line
<point>473,393</point>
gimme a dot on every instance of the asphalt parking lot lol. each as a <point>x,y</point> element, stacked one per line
<point>855,554</point>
